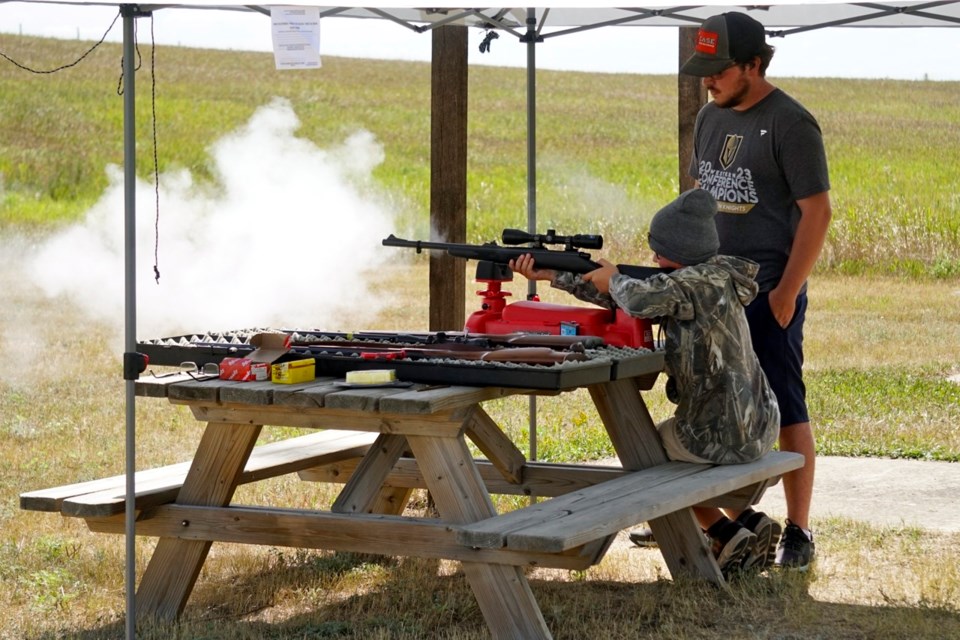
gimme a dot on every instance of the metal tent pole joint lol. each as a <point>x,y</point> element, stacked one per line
<point>134,364</point>
<point>134,11</point>
<point>532,34</point>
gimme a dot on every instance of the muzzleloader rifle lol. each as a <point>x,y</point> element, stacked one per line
<point>614,326</point>
<point>570,258</point>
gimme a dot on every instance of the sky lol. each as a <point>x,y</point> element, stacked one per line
<point>906,53</point>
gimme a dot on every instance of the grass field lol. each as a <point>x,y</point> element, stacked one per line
<point>883,340</point>
<point>606,143</point>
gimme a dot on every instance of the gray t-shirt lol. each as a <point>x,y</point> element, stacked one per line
<point>757,163</point>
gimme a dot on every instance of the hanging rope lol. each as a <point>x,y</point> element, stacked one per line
<point>153,119</point>
<point>120,89</point>
<point>69,64</point>
<point>139,61</point>
<point>156,161</point>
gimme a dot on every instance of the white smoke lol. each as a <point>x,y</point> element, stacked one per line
<point>287,236</point>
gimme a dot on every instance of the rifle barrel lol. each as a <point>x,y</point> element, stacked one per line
<point>560,260</point>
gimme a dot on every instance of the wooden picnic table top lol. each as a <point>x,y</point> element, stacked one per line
<point>322,393</point>
<point>428,424</point>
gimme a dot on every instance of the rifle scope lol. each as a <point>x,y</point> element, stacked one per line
<point>578,241</point>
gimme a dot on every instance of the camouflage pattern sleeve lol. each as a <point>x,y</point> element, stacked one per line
<point>654,297</point>
<point>573,284</point>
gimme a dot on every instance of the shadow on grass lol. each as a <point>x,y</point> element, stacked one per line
<point>350,596</point>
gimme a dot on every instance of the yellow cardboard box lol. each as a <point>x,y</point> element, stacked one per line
<point>294,371</point>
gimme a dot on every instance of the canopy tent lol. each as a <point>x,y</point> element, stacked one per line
<point>781,17</point>
<point>529,26</point>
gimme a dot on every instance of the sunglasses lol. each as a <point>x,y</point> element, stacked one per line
<point>208,370</point>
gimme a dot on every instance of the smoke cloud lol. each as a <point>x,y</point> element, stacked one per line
<point>285,237</point>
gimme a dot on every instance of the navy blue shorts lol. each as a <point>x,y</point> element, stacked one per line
<point>780,352</point>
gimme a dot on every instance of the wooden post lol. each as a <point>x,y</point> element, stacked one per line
<point>691,96</point>
<point>213,477</point>
<point>448,175</point>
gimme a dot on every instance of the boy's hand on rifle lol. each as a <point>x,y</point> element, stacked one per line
<point>601,277</point>
<point>524,266</point>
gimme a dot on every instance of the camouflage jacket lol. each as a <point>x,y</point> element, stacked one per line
<point>726,411</point>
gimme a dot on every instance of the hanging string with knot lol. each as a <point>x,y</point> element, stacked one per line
<point>156,161</point>
<point>153,118</point>
<point>136,46</point>
<point>153,106</point>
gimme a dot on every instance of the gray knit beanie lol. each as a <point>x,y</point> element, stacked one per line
<point>684,231</point>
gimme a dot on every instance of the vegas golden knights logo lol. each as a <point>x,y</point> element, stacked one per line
<point>730,147</point>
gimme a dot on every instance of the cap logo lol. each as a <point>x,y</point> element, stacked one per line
<point>707,42</point>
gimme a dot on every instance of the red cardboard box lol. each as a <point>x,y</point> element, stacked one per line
<point>243,370</point>
<point>271,348</point>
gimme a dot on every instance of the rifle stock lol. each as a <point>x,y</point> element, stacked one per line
<point>571,260</point>
<point>516,355</point>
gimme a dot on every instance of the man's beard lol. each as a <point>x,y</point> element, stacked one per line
<point>736,97</point>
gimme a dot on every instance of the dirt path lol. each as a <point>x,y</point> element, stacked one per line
<point>882,491</point>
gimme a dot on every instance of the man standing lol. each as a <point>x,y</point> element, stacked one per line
<point>760,153</point>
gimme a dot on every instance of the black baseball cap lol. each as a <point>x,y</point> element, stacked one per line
<point>723,40</point>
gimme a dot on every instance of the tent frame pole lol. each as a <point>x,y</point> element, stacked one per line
<point>531,38</point>
<point>130,13</point>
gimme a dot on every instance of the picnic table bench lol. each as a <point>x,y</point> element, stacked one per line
<point>383,443</point>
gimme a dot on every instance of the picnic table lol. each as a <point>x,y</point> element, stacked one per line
<point>381,444</point>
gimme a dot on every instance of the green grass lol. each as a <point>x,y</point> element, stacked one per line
<point>880,412</point>
<point>884,413</point>
<point>606,144</point>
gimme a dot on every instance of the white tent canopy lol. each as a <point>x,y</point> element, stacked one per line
<point>556,18</point>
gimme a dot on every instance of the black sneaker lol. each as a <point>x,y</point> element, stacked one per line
<point>796,551</point>
<point>768,531</point>
<point>643,537</point>
<point>730,547</point>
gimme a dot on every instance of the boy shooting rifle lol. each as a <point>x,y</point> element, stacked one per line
<point>726,412</point>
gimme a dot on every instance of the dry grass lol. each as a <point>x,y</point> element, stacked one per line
<point>869,583</point>
<point>62,421</point>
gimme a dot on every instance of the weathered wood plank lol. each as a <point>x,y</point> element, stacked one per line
<point>495,444</point>
<point>250,392</point>
<point>502,592</point>
<point>360,399</point>
<point>600,518</point>
<point>310,396</point>
<point>213,477</point>
<point>199,390</point>
<point>637,443</point>
<point>624,493</point>
<point>51,499</point>
<point>360,494</point>
<point>388,535</point>
<point>431,400</point>
<point>545,480</point>
<point>539,478</point>
<point>159,486</point>
<point>576,518</point>
<point>151,385</point>
<point>439,424</point>
<point>263,392</point>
